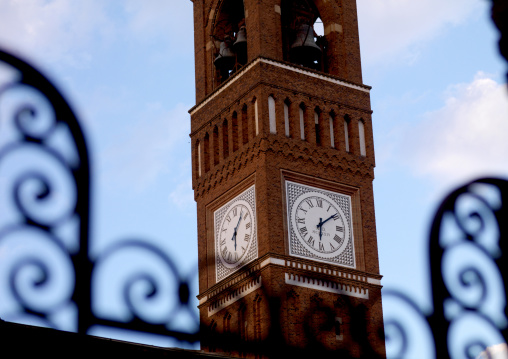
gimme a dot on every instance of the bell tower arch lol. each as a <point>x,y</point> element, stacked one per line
<point>283,167</point>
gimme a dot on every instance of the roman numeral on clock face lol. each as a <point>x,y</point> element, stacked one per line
<point>319,203</point>
<point>224,252</point>
<point>339,229</point>
<point>303,231</point>
<point>235,211</point>
<point>247,237</point>
<point>309,202</point>
<point>247,225</point>
<point>321,246</point>
<point>310,241</point>
<point>300,220</point>
<point>336,238</point>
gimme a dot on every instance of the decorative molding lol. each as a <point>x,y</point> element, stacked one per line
<point>292,149</point>
<point>317,75</point>
<point>271,260</point>
<point>234,296</point>
<point>285,66</point>
<point>326,286</point>
<point>374,281</point>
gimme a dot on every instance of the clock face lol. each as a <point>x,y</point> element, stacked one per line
<point>319,223</point>
<point>235,234</point>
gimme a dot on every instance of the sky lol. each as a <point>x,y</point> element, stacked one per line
<point>127,68</point>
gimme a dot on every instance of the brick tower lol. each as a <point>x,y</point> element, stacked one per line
<point>283,164</point>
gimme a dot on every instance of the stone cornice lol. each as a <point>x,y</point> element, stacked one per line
<point>299,272</point>
<point>284,65</point>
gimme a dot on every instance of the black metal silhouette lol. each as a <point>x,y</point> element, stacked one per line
<point>40,114</point>
<point>467,248</point>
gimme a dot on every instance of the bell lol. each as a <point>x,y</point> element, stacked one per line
<point>225,60</point>
<point>240,45</point>
<point>304,49</point>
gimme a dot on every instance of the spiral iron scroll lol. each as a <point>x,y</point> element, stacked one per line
<point>47,199</point>
<point>467,252</point>
<point>467,248</point>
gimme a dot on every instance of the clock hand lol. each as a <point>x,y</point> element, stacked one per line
<point>326,220</point>
<point>321,222</point>
<point>234,233</point>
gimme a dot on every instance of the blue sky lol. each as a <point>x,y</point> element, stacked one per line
<point>127,67</point>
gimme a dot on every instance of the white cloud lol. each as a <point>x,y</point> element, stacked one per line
<point>72,32</point>
<point>55,30</point>
<point>395,28</point>
<point>465,139</point>
<point>138,157</point>
<point>499,351</point>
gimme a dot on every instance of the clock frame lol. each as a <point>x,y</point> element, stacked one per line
<point>345,199</point>
<point>235,233</point>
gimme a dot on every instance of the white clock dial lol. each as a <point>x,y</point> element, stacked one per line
<point>319,224</point>
<point>235,234</point>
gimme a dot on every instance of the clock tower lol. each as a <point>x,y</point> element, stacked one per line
<point>283,164</point>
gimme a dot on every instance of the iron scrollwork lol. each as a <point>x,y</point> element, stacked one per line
<point>45,192</point>
<point>46,206</point>
<point>467,255</point>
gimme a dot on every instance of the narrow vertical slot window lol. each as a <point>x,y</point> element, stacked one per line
<point>207,152</point>
<point>346,133</point>
<point>286,119</point>
<point>245,125</point>
<point>332,136</point>
<point>215,145</point>
<point>302,125</point>
<point>361,134</point>
<point>199,159</point>
<point>338,329</point>
<point>316,126</point>
<point>271,115</point>
<point>225,139</point>
<point>256,121</point>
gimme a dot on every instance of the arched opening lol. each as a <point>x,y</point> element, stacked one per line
<point>215,145</point>
<point>256,117</point>
<point>212,337</point>
<point>361,136</point>
<point>331,120</point>
<point>317,125</point>
<point>271,114</point>
<point>347,121</point>
<point>229,37</point>
<point>286,118</point>
<point>245,125</point>
<point>225,139</point>
<point>234,124</point>
<point>207,152</point>
<point>303,37</point>
<point>301,112</point>
<point>197,159</point>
